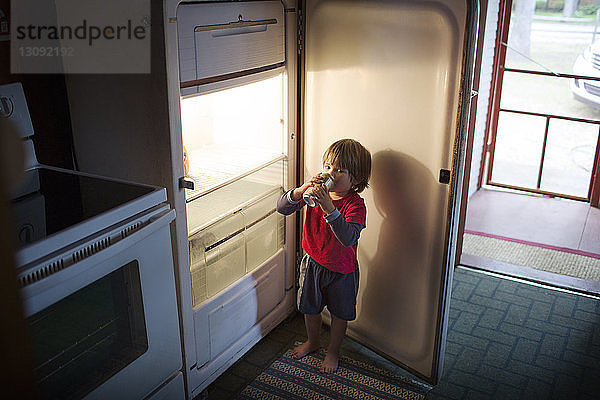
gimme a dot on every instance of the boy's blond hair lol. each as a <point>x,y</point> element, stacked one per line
<point>351,155</point>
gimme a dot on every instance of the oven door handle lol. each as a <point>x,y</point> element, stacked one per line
<point>47,291</point>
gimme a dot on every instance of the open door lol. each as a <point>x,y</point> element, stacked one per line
<point>393,75</point>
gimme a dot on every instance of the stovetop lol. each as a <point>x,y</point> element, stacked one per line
<point>55,207</point>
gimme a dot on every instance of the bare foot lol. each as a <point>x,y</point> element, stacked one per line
<point>304,349</point>
<point>330,363</point>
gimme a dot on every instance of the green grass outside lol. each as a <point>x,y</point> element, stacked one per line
<point>588,19</point>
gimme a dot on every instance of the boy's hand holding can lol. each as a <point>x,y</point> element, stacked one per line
<point>319,193</point>
<point>315,181</point>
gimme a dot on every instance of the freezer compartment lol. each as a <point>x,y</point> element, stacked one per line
<point>234,245</point>
<point>217,39</point>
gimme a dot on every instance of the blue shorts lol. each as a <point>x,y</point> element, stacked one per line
<point>320,287</point>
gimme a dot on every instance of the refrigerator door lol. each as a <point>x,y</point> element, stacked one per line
<point>393,75</point>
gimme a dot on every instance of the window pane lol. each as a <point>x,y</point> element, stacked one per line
<point>518,149</point>
<point>542,44</point>
<point>569,157</point>
<point>547,95</point>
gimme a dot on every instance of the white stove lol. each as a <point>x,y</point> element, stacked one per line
<point>95,267</point>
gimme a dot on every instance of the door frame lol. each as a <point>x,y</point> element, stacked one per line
<point>483,4</point>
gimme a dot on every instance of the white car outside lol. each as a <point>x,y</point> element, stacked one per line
<point>588,64</point>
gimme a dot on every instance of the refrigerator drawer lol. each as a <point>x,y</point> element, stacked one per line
<point>236,315</point>
<point>263,240</point>
<point>217,257</point>
<point>235,245</point>
<point>225,264</point>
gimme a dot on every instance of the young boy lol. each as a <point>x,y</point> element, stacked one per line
<point>329,270</point>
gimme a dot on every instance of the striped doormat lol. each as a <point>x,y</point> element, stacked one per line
<point>541,257</point>
<point>288,378</point>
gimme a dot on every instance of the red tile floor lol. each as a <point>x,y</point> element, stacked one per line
<point>551,221</point>
<point>554,222</point>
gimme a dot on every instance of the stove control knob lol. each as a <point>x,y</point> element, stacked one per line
<point>26,233</point>
<point>6,107</point>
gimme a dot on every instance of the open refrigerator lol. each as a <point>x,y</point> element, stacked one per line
<point>232,110</point>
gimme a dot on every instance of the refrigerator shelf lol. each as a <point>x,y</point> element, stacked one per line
<point>211,207</point>
<point>208,179</point>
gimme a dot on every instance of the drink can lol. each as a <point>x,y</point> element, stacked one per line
<point>327,183</point>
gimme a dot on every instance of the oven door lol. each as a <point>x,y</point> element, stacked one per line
<point>103,314</point>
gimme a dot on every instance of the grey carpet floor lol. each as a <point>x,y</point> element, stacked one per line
<point>512,340</point>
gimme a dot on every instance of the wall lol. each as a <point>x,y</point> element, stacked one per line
<point>47,101</point>
<point>120,121</point>
<point>484,92</point>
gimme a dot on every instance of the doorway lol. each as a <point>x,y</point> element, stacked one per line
<point>545,118</point>
<point>535,214</point>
